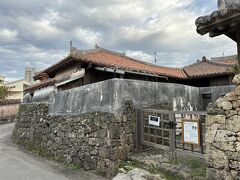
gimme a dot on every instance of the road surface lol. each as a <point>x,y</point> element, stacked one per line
<point>16,164</point>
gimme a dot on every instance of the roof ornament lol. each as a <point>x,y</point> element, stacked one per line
<point>224,21</point>
<point>96,46</point>
<point>204,58</point>
<point>227,4</point>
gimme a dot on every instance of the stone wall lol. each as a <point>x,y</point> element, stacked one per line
<point>94,141</point>
<point>8,108</point>
<point>8,119</point>
<point>223,136</point>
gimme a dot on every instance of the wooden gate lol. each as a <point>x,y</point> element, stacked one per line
<point>165,130</point>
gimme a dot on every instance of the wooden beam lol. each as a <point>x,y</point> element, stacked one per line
<point>228,31</point>
<point>238,46</point>
<point>232,36</point>
<point>221,22</point>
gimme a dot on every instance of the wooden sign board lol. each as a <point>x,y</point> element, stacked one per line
<point>190,132</point>
<point>154,120</point>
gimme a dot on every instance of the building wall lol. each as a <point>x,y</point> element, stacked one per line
<point>216,91</point>
<point>61,73</point>
<point>29,74</point>
<point>210,81</point>
<point>221,81</point>
<point>15,89</point>
<point>108,96</point>
<point>93,76</point>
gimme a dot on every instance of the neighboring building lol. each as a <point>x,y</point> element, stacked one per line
<point>29,74</point>
<point>90,66</point>
<point>15,89</point>
<point>214,72</point>
<point>2,80</point>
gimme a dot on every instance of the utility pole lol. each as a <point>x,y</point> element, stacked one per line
<point>71,44</point>
<point>155,57</point>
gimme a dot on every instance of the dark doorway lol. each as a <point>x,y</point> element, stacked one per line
<point>206,99</point>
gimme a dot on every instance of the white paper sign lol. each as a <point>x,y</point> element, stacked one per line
<point>154,120</point>
<point>190,131</point>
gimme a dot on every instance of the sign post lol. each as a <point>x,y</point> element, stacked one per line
<point>154,120</point>
<point>190,132</point>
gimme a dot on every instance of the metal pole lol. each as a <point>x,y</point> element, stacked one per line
<point>238,48</point>
<point>155,57</point>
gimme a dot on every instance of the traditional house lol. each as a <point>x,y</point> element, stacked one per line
<point>214,72</point>
<point>90,66</point>
<point>85,67</point>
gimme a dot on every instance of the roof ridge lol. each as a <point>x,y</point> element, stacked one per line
<point>193,64</point>
<point>99,49</point>
<point>217,63</point>
<point>223,57</point>
<point>208,61</point>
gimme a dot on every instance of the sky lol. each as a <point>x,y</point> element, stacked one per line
<point>36,33</point>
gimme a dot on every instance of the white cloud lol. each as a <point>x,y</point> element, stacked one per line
<point>37,34</point>
<point>40,28</point>
<point>7,35</point>
<point>87,36</point>
<point>141,56</point>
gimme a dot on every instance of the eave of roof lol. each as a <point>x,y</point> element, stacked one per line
<point>40,85</point>
<point>220,22</point>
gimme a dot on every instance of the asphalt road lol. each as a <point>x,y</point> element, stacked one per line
<point>16,164</point>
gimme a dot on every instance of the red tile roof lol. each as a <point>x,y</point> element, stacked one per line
<point>207,68</point>
<point>105,58</point>
<point>230,60</point>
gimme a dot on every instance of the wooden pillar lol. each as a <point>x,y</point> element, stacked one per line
<point>139,129</point>
<point>238,48</point>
